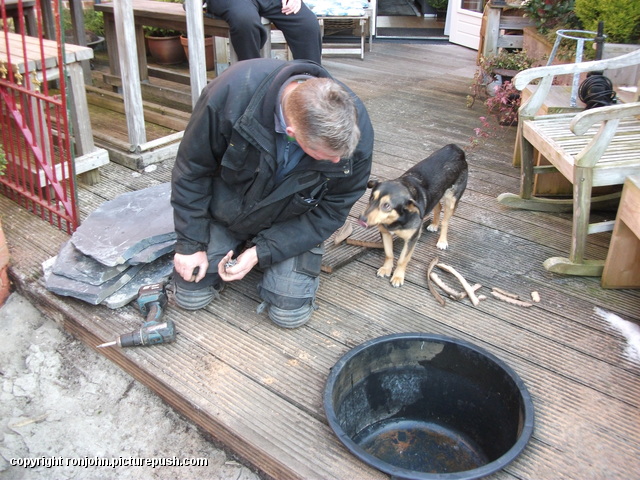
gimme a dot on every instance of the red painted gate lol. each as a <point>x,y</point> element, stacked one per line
<point>34,125</point>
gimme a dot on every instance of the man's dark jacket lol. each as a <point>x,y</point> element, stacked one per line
<point>226,164</point>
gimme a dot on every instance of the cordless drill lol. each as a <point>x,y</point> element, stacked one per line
<point>151,301</point>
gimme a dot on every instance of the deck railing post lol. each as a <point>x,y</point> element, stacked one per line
<point>127,49</point>
<point>195,35</point>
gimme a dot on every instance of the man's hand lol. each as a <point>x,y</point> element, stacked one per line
<point>186,264</point>
<point>291,6</point>
<point>244,263</point>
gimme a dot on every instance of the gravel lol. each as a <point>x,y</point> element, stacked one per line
<point>66,412</point>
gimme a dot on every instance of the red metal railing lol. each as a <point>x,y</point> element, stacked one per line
<point>35,134</point>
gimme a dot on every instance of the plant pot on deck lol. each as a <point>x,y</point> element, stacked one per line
<point>209,50</point>
<point>4,267</point>
<point>166,50</point>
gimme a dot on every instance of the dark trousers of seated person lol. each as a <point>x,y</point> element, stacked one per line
<point>248,35</point>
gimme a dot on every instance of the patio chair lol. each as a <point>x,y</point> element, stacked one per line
<point>592,148</point>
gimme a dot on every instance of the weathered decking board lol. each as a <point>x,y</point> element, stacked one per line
<point>258,389</point>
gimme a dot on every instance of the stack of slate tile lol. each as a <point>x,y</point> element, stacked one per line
<point>124,244</point>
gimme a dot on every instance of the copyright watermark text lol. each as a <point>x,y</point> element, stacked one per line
<point>110,462</point>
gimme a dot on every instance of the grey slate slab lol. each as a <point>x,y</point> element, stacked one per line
<point>126,225</point>
<point>156,272</point>
<point>93,294</point>
<point>72,263</point>
<point>152,252</point>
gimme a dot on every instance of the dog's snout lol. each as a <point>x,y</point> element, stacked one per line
<point>362,222</point>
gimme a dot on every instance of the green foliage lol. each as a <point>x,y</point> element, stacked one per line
<point>518,61</point>
<point>3,162</point>
<point>438,4</point>
<point>162,32</point>
<point>621,18</point>
<point>551,15</point>
<point>93,21</point>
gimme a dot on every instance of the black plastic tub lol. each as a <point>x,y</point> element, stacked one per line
<point>421,406</point>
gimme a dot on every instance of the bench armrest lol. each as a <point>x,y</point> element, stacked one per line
<point>525,77</point>
<point>584,120</point>
<point>547,73</point>
<point>610,117</point>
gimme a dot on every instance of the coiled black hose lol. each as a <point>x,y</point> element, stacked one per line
<point>597,91</point>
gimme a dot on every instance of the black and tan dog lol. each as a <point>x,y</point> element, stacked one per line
<point>400,206</point>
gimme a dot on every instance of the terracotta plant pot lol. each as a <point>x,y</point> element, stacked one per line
<point>4,266</point>
<point>166,50</point>
<point>209,51</point>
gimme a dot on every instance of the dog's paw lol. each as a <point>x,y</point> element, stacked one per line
<point>432,227</point>
<point>397,281</point>
<point>442,244</point>
<point>384,272</point>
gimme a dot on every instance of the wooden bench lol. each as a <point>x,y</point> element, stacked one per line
<point>362,24</point>
<point>597,147</point>
<point>27,54</point>
<point>622,267</point>
<point>161,15</point>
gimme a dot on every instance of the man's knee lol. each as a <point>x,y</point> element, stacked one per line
<point>194,296</point>
<point>288,289</point>
<point>288,317</point>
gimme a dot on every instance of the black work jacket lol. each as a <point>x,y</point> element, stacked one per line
<point>226,164</point>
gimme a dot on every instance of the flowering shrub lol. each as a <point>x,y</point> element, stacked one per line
<point>485,75</point>
<point>505,104</point>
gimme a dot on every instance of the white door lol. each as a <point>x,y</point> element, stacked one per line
<point>464,22</point>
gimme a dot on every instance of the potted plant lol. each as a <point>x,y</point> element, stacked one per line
<point>164,45</point>
<point>493,81</point>
<point>209,50</point>
<point>494,70</point>
<point>4,249</point>
<point>440,6</point>
<point>93,26</point>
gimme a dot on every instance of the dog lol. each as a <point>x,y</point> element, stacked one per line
<point>400,206</point>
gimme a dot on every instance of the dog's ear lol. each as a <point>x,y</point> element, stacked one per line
<point>373,183</point>
<point>411,206</point>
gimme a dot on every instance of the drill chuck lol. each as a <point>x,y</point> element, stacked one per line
<point>151,333</point>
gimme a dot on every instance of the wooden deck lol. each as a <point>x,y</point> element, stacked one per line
<point>258,389</point>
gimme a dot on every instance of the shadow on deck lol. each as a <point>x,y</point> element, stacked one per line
<point>258,389</point>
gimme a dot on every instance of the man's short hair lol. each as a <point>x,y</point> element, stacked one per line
<point>325,115</point>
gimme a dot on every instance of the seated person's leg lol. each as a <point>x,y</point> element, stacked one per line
<point>194,296</point>
<point>301,31</point>
<point>289,289</point>
<point>246,32</point>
